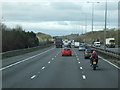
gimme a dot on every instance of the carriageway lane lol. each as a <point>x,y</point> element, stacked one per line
<point>63,72</point>
<point>51,70</point>
<point>11,60</point>
<point>18,75</point>
<point>106,75</point>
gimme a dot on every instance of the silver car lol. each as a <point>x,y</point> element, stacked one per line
<point>81,48</point>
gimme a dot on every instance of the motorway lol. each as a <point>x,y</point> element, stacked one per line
<point>46,68</point>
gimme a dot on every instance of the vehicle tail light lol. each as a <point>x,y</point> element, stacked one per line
<point>86,53</point>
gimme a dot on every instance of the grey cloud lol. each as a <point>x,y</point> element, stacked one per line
<point>110,6</point>
<point>62,23</point>
<point>63,11</point>
<point>40,12</point>
<point>29,12</point>
<point>66,6</point>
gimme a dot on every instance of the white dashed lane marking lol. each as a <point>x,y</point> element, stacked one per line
<point>81,68</point>
<point>79,62</point>
<point>24,60</point>
<point>43,67</point>
<point>84,77</point>
<point>55,56</point>
<point>52,58</point>
<point>77,58</point>
<point>49,62</point>
<point>33,76</point>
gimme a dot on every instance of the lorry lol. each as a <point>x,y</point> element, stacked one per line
<point>110,42</point>
<point>58,42</point>
<point>76,44</point>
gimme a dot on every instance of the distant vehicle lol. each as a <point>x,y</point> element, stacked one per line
<point>58,43</point>
<point>66,40</point>
<point>110,42</point>
<point>72,44</point>
<point>97,44</point>
<point>85,45</point>
<point>81,48</point>
<point>76,44</point>
<point>89,45</point>
<point>82,43</point>
<point>67,43</point>
<point>87,53</point>
<point>66,51</point>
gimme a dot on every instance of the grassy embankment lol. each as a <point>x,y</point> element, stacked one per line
<point>96,35</point>
<point>41,37</point>
<point>15,53</point>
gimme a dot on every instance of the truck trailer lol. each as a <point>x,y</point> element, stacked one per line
<point>110,42</point>
<point>76,44</point>
<point>58,42</point>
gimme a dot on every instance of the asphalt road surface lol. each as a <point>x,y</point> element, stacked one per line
<point>48,69</point>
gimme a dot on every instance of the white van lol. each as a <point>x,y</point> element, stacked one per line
<point>97,44</point>
<point>76,44</point>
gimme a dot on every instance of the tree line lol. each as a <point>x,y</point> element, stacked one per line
<point>17,38</point>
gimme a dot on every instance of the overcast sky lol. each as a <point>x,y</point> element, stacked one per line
<point>59,17</point>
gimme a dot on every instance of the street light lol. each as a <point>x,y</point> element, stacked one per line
<point>92,13</point>
<point>105,25</point>
<point>85,23</point>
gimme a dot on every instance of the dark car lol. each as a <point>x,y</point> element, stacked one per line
<point>87,53</point>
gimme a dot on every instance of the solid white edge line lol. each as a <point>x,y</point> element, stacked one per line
<point>109,62</point>
<point>24,60</point>
<point>33,76</point>
<point>84,77</point>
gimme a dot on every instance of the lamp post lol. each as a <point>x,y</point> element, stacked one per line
<point>85,23</point>
<point>105,25</point>
<point>93,13</point>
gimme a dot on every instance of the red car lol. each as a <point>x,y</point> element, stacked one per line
<point>66,51</point>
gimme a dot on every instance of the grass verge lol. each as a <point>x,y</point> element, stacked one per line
<point>16,53</point>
